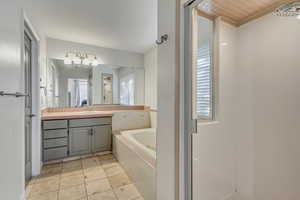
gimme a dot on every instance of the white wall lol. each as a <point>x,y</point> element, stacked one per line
<point>151,83</point>
<point>269,71</point>
<point>151,78</point>
<point>58,48</point>
<point>97,83</point>
<point>214,164</point>
<point>168,102</point>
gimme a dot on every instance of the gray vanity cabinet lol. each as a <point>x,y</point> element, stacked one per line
<point>101,138</point>
<point>89,139</point>
<point>74,137</point>
<point>55,139</point>
<point>80,141</point>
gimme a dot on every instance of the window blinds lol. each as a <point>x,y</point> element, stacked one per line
<point>204,82</point>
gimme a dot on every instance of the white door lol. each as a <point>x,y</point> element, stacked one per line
<point>202,162</point>
<point>11,108</point>
<point>210,99</point>
<point>28,104</point>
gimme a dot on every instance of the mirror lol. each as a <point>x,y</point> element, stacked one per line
<point>71,85</point>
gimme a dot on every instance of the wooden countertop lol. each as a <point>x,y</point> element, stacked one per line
<point>87,112</point>
<point>76,115</point>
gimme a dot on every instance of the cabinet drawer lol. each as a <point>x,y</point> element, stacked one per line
<point>89,122</point>
<point>55,133</point>
<point>57,153</point>
<point>55,124</point>
<point>55,142</point>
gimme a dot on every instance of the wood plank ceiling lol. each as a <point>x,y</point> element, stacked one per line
<point>239,12</point>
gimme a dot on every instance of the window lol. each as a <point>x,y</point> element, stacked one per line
<point>127,90</point>
<point>204,104</point>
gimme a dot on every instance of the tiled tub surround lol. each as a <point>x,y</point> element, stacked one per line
<point>91,178</point>
<point>135,150</point>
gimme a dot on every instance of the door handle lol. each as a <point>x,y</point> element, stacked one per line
<point>31,115</point>
<point>92,132</point>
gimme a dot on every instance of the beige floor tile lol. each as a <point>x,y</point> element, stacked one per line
<point>51,171</point>
<point>45,178</point>
<point>106,157</point>
<point>94,174</point>
<point>45,196</point>
<point>139,198</point>
<point>72,193</point>
<point>90,162</point>
<point>69,181</point>
<point>108,163</point>
<point>109,195</point>
<point>127,192</point>
<point>97,186</point>
<point>33,179</point>
<point>119,180</point>
<point>75,164</point>
<point>48,186</point>
<point>71,172</point>
<point>113,170</point>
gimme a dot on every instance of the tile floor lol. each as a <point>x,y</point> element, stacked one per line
<point>92,178</point>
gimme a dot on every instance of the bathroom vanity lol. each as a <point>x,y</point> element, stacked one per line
<point>70,132</point>
<point>74,137</point>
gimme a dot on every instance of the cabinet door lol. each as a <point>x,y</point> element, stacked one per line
<point>80,141</point>
<point>101,138</point>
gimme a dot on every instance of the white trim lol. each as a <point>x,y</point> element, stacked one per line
<point>30,26</point>
<point>36,121</point>
<point>23,195</point>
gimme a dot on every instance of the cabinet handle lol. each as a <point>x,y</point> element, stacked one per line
<point>92,131</point>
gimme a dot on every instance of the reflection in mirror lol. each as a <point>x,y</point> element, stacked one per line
<point>107,86</point>
<point>81,85</point>
<point>78,92</point>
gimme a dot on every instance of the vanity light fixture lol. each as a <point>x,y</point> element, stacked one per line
<point>95,62</point>
<point>81,59</point>
<point>67,60</point>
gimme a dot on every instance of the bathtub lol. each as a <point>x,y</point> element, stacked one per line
<point>136,152</point>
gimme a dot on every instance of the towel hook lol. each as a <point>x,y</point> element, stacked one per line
<point>162,39</point>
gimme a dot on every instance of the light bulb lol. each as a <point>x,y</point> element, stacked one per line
<point>86,61</point>
<point>77,60</point>
<point>67,60</point>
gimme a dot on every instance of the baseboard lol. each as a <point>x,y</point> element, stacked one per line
<point>71,158</point>
<point>23,195</point>
<point>231,196</point>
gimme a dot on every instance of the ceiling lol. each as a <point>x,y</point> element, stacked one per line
<point>119,24</point>
<point>238,12</point>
